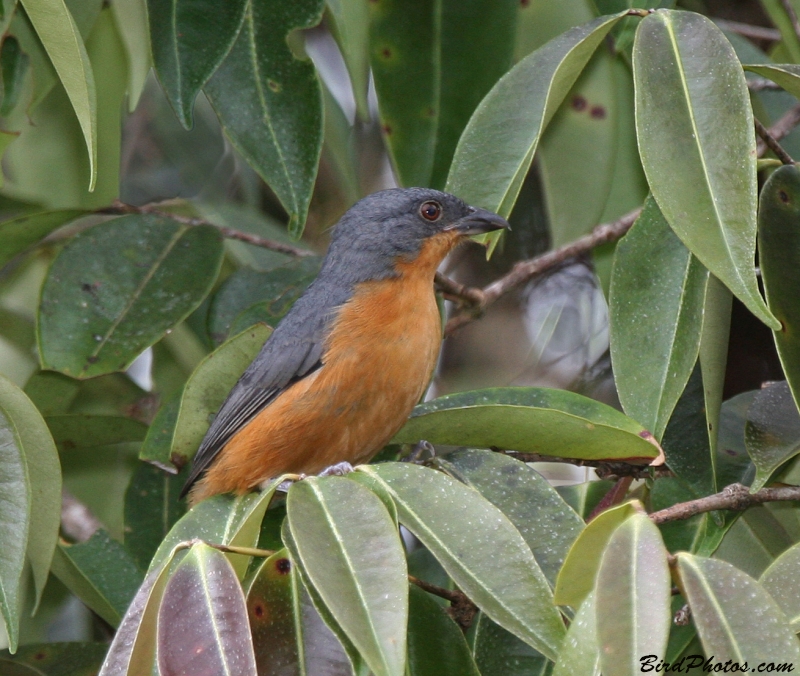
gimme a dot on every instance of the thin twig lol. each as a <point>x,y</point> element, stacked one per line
<point>772,143</point>
<point>748,30</point>
<point>461,609</point>
<point>452,290</point>
<point>735,496</point>
<point>782,128</point>
<point>525,270</point>
<point>121,208</point>
<point>604,468</point>
<point>762,84</point>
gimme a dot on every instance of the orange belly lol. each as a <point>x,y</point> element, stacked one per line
<point>379,360</point>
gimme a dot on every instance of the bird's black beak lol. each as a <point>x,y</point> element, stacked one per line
<point>479,222</point>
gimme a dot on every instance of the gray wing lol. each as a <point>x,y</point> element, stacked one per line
<point>293,351</point>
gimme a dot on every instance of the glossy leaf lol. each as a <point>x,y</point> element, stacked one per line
<point>432,64</point>
<point>468,535</point>
<point>276,289</point>
<point>20,233</point>
<point>118,287</point>
<point>577,577</point>
<point>658,305</point>
<point>697,144</point>
<point>157,445</point>
<point>54,659</point>
<point>189,41</point>
<point>724,601</point>
<point>548,525</point>
<point>270,103</point>
<point>580,653</point>
<point>782,581</point>
<point>778,247</point>
<point>505,128</point>
<point>787,75</point>
<point>221,519</point>
<point>30,502</point>
<point>15,65</point>
<point>71,431</point>
<point>130,17</point>
<point>270,609</point>
<point>101,573</point>
<point>348,547</point>
<point>528,419</point>
<point>62,40</point>
<point>208,386</point>
<point>133,649</point>
<point>585,497</point>
<point>202,621</point>
<point>152,507</point>
<point>350,27</point>
<point>435,643</point>
<point>772,433</point>
<point>790,42</point>
<point>632,597</point>
<point>754,541</point>
<point>498,652</point>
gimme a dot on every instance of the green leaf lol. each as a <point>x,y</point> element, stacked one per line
<point>498,652</point>
<point>115,289</point>
<point>208,386</point>
<point>275,291</point>
<point>724,601</point>
<point>151,509</point>
<point>548,525</point>
<point>15,65</point>
<point>469,535</point>
<point>133,649</point>
<point>432,64</point>
<point>30,502</point>
<point>772,433</point>
<point>633,596</point>
<point>18,234</point>
<point>787,75</point>
<point>585,497</point>
<point>221,519</point>
<point>270,103</point>
<point>51,392</point>
<point>505,129</point>
<point>64,45</point>
<point>435,643</point>
<point>130,17</point>
<point>270,609</point>
<point>202,621</point>
<point>189,41</point>
<point>777,13</point>
<point>697,144</point>
<point>778,244</point>
<point>349,23</point>
<point>578,152</point>
<point>580,653</point>
<point>101,573</point>
<point>782,581</point>
<point>348,547</point>
<point>657,305</point>
<point>54,659</point>
<point>157,445</point>
<point>529,419</point>
<point>754,541</point>
<point>577,577</point>
<point>71,431</point>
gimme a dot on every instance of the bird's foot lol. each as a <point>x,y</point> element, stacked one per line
<point>283,486</point>
<point>339,469</point>
<point>421,452</point>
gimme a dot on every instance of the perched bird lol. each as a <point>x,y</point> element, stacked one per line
<point>341,372</point>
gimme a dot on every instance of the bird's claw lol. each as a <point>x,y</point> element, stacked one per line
<point>339,469</point>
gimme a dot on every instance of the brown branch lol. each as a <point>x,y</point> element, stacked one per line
<point>749,31</point>
<point>762,84</point>
<point>120,208</point>
<point>525,270</point>
<point>452,290</point>
<point>772,143</point>
<point>782,128</point>
<point>735,496</point>
<point>461,609</point>
<point>77,521</point>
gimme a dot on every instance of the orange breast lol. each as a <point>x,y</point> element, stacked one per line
<point>378,362</point>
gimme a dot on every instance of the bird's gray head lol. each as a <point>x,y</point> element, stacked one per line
<point>394,224</point>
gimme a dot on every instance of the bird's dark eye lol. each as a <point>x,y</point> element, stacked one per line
<point>430,211</point>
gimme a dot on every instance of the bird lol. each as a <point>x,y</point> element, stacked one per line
<point>341,372</point>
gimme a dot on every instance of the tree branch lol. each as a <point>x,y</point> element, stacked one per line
<point>749,31</point>
<point>461,609</point>
<point>785,124</point>
<point>525,270</point>
<point>772,143</point>
<point>735,496</point>
<point>120,208</point>
<point>604,468</point>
